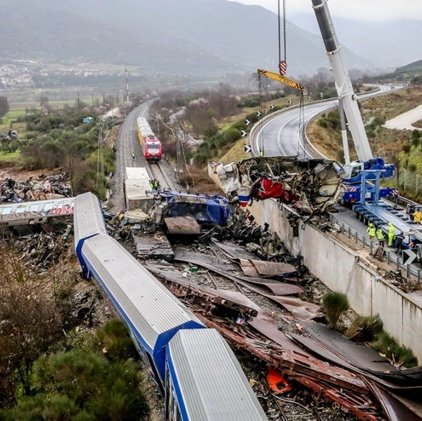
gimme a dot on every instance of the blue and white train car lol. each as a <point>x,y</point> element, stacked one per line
<point>151,312</point>
<point>204,380</point>
<point>88,221</point>
<point>194,367</point>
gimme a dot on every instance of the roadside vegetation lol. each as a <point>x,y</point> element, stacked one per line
<point>49,138</point>
<point>403,148</point>
<point>52,367</point>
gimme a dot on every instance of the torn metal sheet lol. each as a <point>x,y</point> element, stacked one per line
<point>323,350</point>
<point>204,260</point>
<point>153,246</point>
<point>395,409</point>
<point>363,357</point>
<point>233,251</point>
<point>267,326</point>
<point>184,289</point>
<point>182,225</point>
<point>336,384</point>
<point>264,268</point>
<point>299,308</point>
<point>277,288</point>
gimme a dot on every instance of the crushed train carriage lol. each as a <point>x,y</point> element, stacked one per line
<point>311,186</point>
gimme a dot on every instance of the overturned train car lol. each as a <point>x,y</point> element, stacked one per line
<point>193,366</point>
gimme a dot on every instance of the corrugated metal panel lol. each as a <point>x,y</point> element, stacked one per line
<point>149,306</point>
<point>212,383</point>
<point>87,219</point>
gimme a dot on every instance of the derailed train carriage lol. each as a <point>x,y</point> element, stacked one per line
<point>193,366</point>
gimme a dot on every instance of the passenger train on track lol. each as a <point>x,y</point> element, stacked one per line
<point>194,367</point>
<point>151,146</point>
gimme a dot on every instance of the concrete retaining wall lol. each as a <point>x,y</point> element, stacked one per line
<point>347,271</point>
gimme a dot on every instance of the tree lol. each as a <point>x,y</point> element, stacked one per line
<point>4,106</point>
<point>30,319</point>
<point>416,138</point>
<point>82,385</point>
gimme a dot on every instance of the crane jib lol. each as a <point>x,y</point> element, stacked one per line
<point>281,79</point>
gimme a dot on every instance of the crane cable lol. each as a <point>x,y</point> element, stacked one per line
<point>301,100</point>
<point>284,33</point>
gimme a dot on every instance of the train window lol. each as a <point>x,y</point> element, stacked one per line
<point>153,147</point>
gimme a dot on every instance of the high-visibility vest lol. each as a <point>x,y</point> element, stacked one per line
<point>391,231</point>
<point>371,231</point>
<point>380,234</point>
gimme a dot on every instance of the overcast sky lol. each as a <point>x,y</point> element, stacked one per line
<point>354,9</point>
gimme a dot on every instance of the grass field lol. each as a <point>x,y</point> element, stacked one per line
<point>13,157</point>
<point>9,118</point>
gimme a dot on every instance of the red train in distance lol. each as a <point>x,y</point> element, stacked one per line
<point>153,149</point>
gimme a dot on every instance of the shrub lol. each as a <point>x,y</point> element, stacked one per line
<point>252,101</point>
<point>82,385</point>
<point>322,122</point>
<point>412,167</point>
<point>406,148</point>
<point>231,135</point>
<point>334,304</point>
<point>364,328</point>
<point>388,346</point>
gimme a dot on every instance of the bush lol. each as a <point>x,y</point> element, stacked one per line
<point>253,101</point>
<point>322,123</point>
<point>387,345</point>
<point>334,304</point>
<point>406,148</point>
<point>364,329</point>
<point>82,385</point>
<point>231,135</point>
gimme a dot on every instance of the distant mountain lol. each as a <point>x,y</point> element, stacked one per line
<point>208,37</point>
<point>411,67</point>
<point>387,44</point>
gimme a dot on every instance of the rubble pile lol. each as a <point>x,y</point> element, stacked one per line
<point>44,187</point>
<point>43,250</point>
<point>310,186</point>
<point>241,281</point>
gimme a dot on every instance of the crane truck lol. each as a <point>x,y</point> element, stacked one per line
<point>367,167</point>
<point>369,209</point>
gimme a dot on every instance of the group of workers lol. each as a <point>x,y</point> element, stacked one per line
<point>395,239</point>
<point>378,232</point>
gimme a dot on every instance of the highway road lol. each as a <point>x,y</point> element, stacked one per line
<point>283,133</point>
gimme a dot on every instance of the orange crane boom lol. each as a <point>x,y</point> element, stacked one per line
<point>281,79</point>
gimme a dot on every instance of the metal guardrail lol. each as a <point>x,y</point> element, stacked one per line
<point>391,256</point>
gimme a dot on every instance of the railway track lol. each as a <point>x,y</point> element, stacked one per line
<point>156,171</point>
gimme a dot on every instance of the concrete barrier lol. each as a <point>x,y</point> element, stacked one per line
<point>345,270</point>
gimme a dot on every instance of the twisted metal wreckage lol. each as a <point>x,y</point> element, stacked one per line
<point>310,186</point>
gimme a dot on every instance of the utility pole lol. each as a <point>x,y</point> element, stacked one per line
<point>126,86</point>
